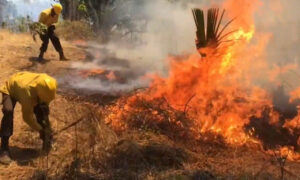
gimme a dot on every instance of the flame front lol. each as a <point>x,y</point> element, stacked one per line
<point>215,94</point>
<point>240,35</point>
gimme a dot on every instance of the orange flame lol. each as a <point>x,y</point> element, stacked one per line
<point>216,92</point>
<point>91,72</point>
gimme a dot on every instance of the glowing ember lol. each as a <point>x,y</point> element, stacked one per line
<point>91,72</point>
<point>111,76</point>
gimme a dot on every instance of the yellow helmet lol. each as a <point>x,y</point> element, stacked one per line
<point>46,89</point>
<point>57,8</point>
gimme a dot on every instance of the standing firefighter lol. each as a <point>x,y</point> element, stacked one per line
<point>34,92</point>
<point>49,17</point>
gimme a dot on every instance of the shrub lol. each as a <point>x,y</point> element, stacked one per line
<point>74,30</point>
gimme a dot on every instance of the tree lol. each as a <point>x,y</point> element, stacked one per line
<point>70,11</point>
<point>7,10</point>
<point>94,9</point>
<point>107,15</point>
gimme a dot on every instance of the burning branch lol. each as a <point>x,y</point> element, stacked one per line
<point>187,103</point>
<point>281,159</point>
<point>68,126</point>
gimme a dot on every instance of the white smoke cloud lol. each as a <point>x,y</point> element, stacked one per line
<point>31,8</point>
<point>281,19</point>
<point>170,30</point>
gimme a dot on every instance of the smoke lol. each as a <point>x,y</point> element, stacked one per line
<point>280,19</point>
<point>153,31</point>
<point>160,28</point>
<point>31,8</point>
<point>7,10</point>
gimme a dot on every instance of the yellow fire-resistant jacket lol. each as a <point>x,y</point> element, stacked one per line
<point>47,19</point>
<point>29,89</point>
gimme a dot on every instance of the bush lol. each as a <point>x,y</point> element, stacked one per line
<point>18,24</point>
<point>74,30</point>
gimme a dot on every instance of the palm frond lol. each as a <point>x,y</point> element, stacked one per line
<point>210,35</point>
<point>199,21</point>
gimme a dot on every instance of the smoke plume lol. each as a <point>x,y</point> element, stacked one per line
<point>31,8</point>
<point>161,28</point>
<point>156,30</point>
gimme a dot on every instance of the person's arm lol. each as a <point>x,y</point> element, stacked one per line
<point>29,118</point>
<point>56,19</point>
<point>41,112</point>
<point>52,27</point>
<point>43,18</point>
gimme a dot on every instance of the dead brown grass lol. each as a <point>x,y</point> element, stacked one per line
<point>92,150</point>
<point>75,30</point>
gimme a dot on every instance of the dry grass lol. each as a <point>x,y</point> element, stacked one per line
<point>146,150</point>
<point>75,30</point>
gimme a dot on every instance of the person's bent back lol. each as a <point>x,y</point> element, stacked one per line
<point>34,92</point>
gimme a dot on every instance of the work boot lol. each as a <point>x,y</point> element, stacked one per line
<point>5,157</point>
<point>4,152</point>
<point>41,57</point>
<point>46,136</point>
<point>62,56</point>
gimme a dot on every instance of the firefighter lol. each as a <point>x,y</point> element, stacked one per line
<point>34,92</point>
<point>49,17</point>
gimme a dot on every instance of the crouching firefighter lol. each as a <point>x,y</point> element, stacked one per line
<point>49,17</point>
<point>34,92</point>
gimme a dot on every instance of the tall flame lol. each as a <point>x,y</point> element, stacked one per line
<point>240,35</point>
<point>216,92</point>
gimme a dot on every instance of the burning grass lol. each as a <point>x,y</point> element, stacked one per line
<point>224,114</point>
<point>209,105</point>
<point>155,115</point>
<point>215,94</point>
<point>148,149</point>
<point>165,133</point>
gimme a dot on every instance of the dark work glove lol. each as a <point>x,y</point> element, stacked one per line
<point>41,112</point>
<point>51,28</point>
<point>47,138</point>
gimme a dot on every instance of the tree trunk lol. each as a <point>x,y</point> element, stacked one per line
<point>70,11</point>
<point>94,15</point>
